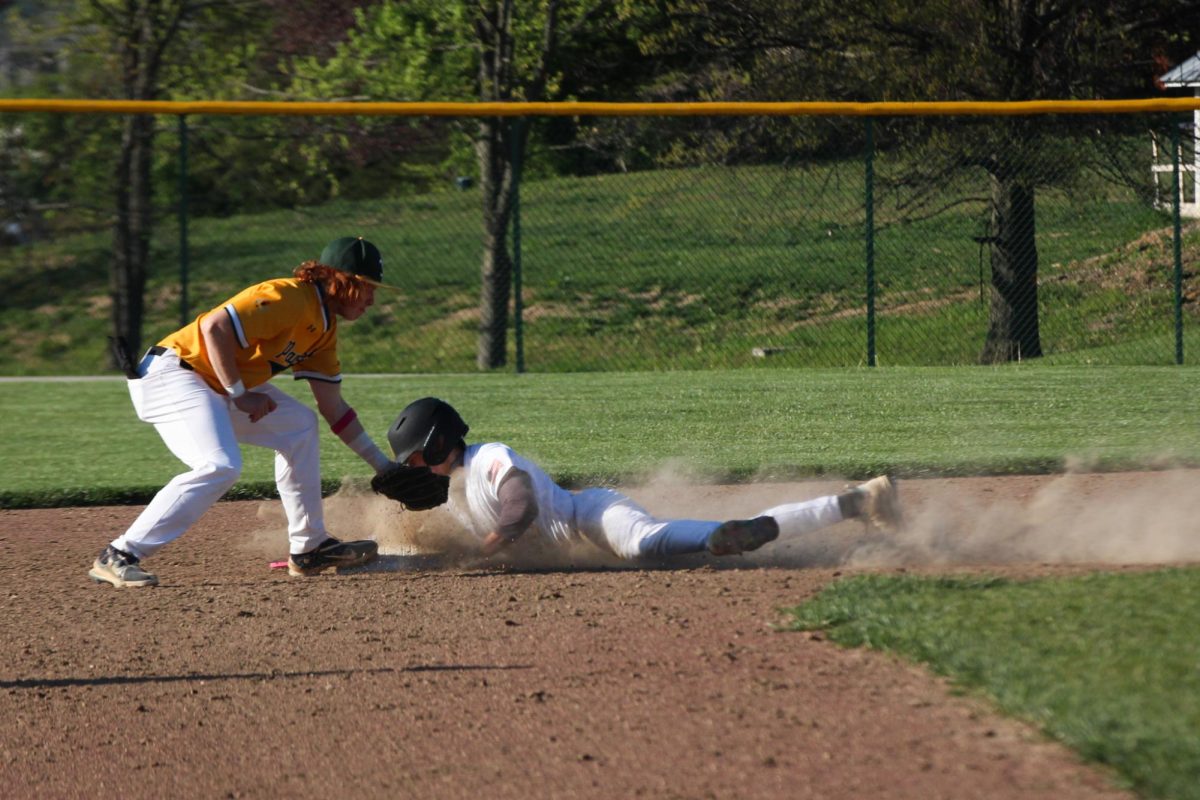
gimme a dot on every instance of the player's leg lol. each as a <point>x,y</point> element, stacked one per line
<point>790,519</point>
<point>193,422</point>
<point>291,430</point>
<point>876,501</point>
<point>795,519</point>
<point>615,522</point>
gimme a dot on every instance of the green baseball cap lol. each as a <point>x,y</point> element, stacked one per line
<point>355,255</point>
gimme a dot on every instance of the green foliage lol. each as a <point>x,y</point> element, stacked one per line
<point>396,51</point>
<point>405,52</point>
<point>45,185</point>
<point>1100,662</point>
<point>432,51</point>
<point>67,161</point>
<point>903,51</point>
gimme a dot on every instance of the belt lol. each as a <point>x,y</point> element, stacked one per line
<point>158,350</point>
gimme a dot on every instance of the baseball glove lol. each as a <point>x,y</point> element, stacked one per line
<point>417,488</point>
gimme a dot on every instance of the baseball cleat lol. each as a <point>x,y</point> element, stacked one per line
<point>120,569</point>
<point>742,535</point>
<point>332,553</point>
<point>881,504</point>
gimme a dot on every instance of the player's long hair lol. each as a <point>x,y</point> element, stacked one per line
<point>341,286</point>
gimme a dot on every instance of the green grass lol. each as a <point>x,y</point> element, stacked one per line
<point>81,442</point>
<point>671,269</point>
<point>1106,663</point>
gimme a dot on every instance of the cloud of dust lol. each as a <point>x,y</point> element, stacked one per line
<point>355,512</point>
<point>672,492</point>
<point>1074,518</point>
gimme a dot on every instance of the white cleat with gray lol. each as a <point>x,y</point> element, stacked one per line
<point>120,569</point>
<point>881,504</point>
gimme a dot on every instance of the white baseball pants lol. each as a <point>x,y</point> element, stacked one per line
<point>614,522</point>
<point>203,429</point>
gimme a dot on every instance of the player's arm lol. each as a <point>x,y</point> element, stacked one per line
<point>518,510</point>
<point>220,343</point>
<point>343,421</point>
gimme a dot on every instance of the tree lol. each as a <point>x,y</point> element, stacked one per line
<point>145,38</point>
<point>902,50</point>
<point>249,163</point>
<point>1026,50</point>
<point>225,49</point>
<point>744,50</point>
<point>143,30</point>
<point>57,165</point>
<point>139,50</point>
<point>485,50</point>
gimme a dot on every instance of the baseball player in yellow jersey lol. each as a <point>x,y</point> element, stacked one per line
<point>205,389</point>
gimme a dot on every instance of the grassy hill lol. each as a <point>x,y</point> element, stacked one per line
<point>672,269</point>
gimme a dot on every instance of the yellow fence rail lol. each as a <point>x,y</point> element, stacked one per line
<point>517,109</point>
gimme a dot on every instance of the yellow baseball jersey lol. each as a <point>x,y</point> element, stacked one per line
<point>279,324</point>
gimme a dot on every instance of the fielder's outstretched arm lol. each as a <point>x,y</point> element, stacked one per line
<point>343,421</point>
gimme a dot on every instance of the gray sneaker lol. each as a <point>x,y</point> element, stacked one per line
<point>881,504</point>
<point>120,569</point>
<point>332,553</point>
<point>742,535</point>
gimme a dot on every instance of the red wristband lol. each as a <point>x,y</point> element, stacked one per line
<point>345,421</point>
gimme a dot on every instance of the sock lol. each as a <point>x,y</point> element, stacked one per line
<point>851,503</point>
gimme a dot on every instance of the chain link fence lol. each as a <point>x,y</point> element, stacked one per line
<point>634,243</point>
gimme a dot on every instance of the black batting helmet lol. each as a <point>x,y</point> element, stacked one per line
<point>428,425</point>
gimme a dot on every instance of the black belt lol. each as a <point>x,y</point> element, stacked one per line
<point>158,350</point>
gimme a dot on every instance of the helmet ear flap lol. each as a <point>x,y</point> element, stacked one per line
<point>437,447</point>
<point>429,426</point>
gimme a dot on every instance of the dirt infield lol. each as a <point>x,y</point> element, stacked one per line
<point>427,677</point>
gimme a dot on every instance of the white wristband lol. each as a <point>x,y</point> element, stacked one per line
<point>368,451</point>
<point>237,390</point>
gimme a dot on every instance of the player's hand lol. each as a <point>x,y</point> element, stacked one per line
<point>256,404</point>
<point>492,544</point>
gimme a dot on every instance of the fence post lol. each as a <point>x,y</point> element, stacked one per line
<point>183,221</point>
<point>870,236</point>
<point>517,130</point>
<point>1178,237</point>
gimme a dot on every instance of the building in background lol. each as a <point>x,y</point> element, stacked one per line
<point>1183,76</point>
